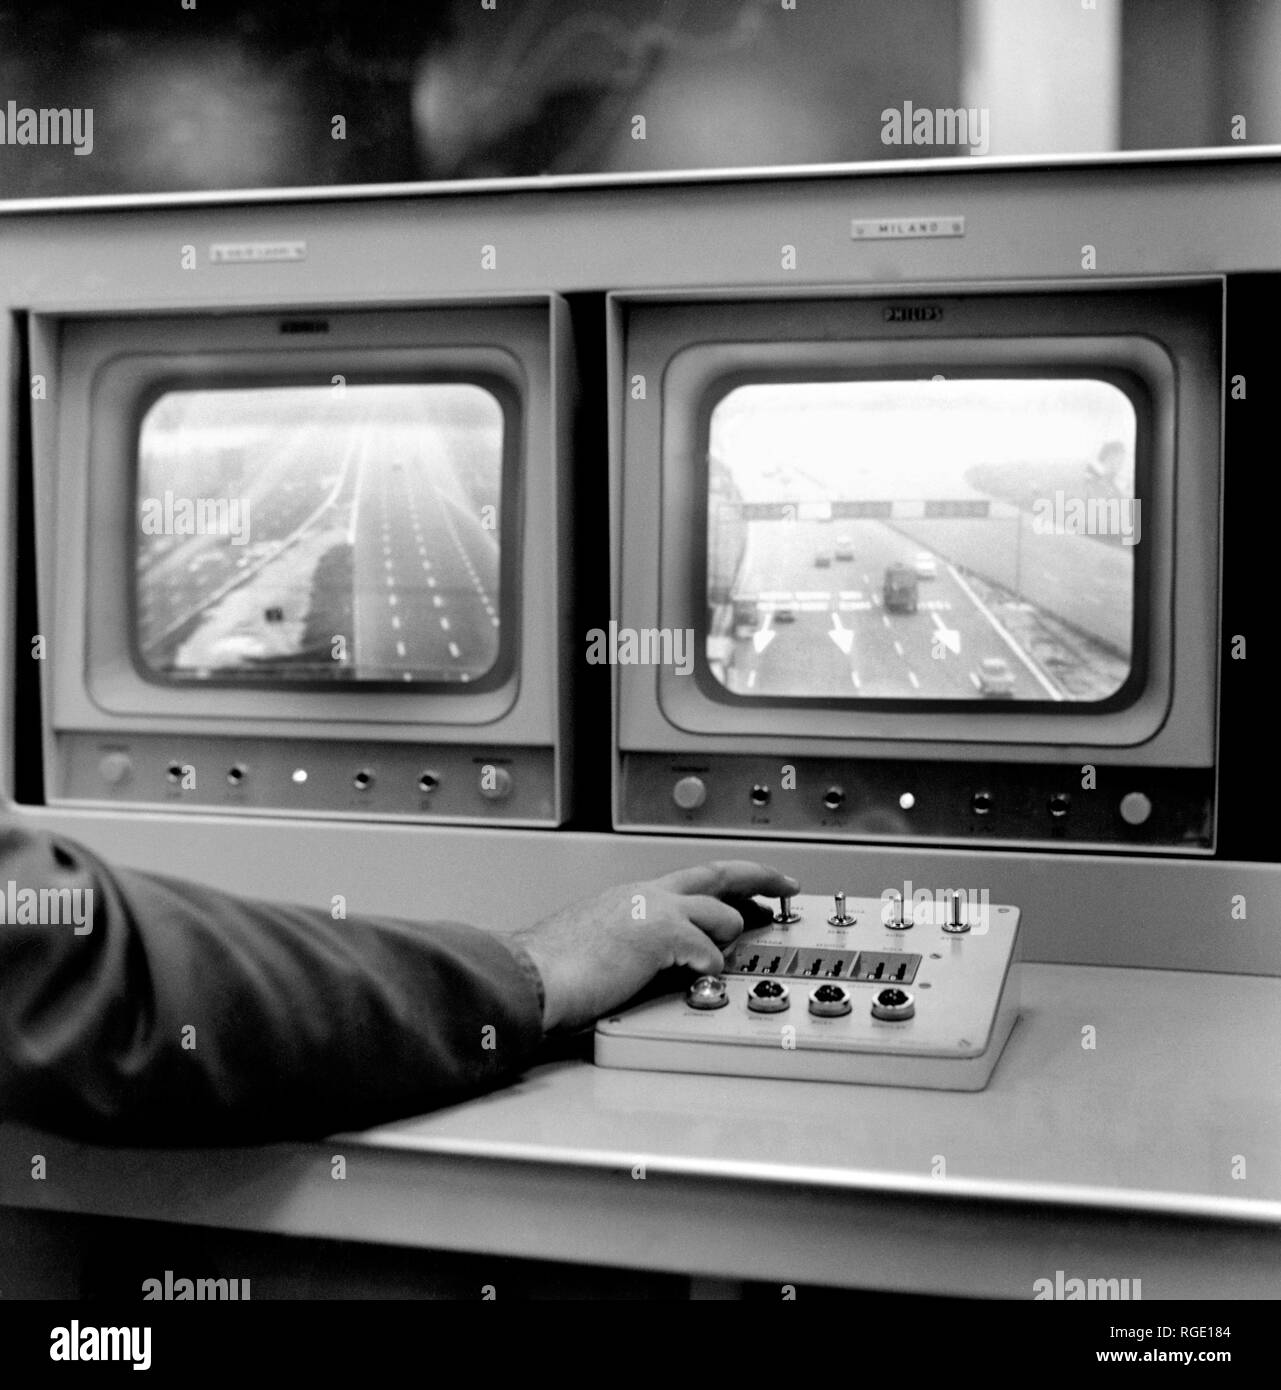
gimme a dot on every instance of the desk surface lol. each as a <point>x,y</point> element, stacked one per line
<point>1154,1154</point>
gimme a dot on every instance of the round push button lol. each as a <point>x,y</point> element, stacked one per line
<point>495,783</point>
<point>115,768</point>
<point>690,793</point>
<point>1135,808</point>
<point>707,992</point>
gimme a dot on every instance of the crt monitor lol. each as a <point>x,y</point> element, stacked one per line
<point>288,561</point>
<point>940,560</point>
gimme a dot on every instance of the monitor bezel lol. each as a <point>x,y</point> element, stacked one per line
<point>521,338</point>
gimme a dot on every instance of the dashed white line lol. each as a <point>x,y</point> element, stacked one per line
<point>898,649</point>
<point>858,684</point>
<point>916,684</point>
<point>453,650</point>
<point>395,621</point>
<point>751,679</point>
<point>392,599</point>
<point>400,649</point>
<point>444,623</point>
<point>438,601</point>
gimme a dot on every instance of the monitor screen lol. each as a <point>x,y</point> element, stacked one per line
<point>345,533</point>
<point>959,539</point>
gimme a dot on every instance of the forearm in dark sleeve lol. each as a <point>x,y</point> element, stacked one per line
<point>187,1015</point>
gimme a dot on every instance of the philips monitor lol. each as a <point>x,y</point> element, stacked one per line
<point>307,580</point>
<point>944,567</point>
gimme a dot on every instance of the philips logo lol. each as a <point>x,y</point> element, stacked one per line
<point>913,313</point>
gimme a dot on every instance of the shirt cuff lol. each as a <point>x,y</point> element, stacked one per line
<point>531,973</point>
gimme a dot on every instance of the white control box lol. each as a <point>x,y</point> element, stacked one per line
<point>858,990</point>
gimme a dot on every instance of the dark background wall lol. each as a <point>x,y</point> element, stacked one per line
<point>239,94</point>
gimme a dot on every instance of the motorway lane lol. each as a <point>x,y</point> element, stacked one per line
<point>891,654</point>
<point>287,481</point>
<point>426,601</point>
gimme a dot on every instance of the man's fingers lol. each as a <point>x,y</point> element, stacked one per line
<point>692,947</point>
<point>719,920</point>
<point>741,878</point>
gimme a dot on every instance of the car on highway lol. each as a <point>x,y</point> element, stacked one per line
<point>995,679</point>
<point>785,614</point>
<point>925,565</point>
<point>844,548</point>
<point>899,592</point>
<point>823,560</point>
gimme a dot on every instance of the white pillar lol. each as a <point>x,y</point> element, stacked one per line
<point>1047,71</point>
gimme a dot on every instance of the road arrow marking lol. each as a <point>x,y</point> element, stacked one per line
<point>949,636</point>
<point>840,634</point>
<point>765,634</point>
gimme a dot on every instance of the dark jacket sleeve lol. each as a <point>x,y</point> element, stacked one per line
<point>177,1014</point>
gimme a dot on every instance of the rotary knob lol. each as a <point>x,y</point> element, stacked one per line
<point>689,793</point>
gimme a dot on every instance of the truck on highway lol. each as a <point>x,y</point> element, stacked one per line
<point>899,593</point>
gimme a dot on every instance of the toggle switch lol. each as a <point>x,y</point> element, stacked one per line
<point>893,915</point>
<point>954,915</point>
<point>839,917</point>
<point>785,915</point>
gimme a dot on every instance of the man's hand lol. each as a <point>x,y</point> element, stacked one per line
<point>597,954</point>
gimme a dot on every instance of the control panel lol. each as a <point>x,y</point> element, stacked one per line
<point>916,990</point>
<point>905,800</point>
<point>447,782</point>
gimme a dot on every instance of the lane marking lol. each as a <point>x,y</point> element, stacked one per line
<point>858,684</point>
<point>453,650</point>
<point>395,621</point>
<point>400,649</point>
<point>444,622</point>
<point>1005,636</point>
<point>916,684</point>
<point>898,649</point>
